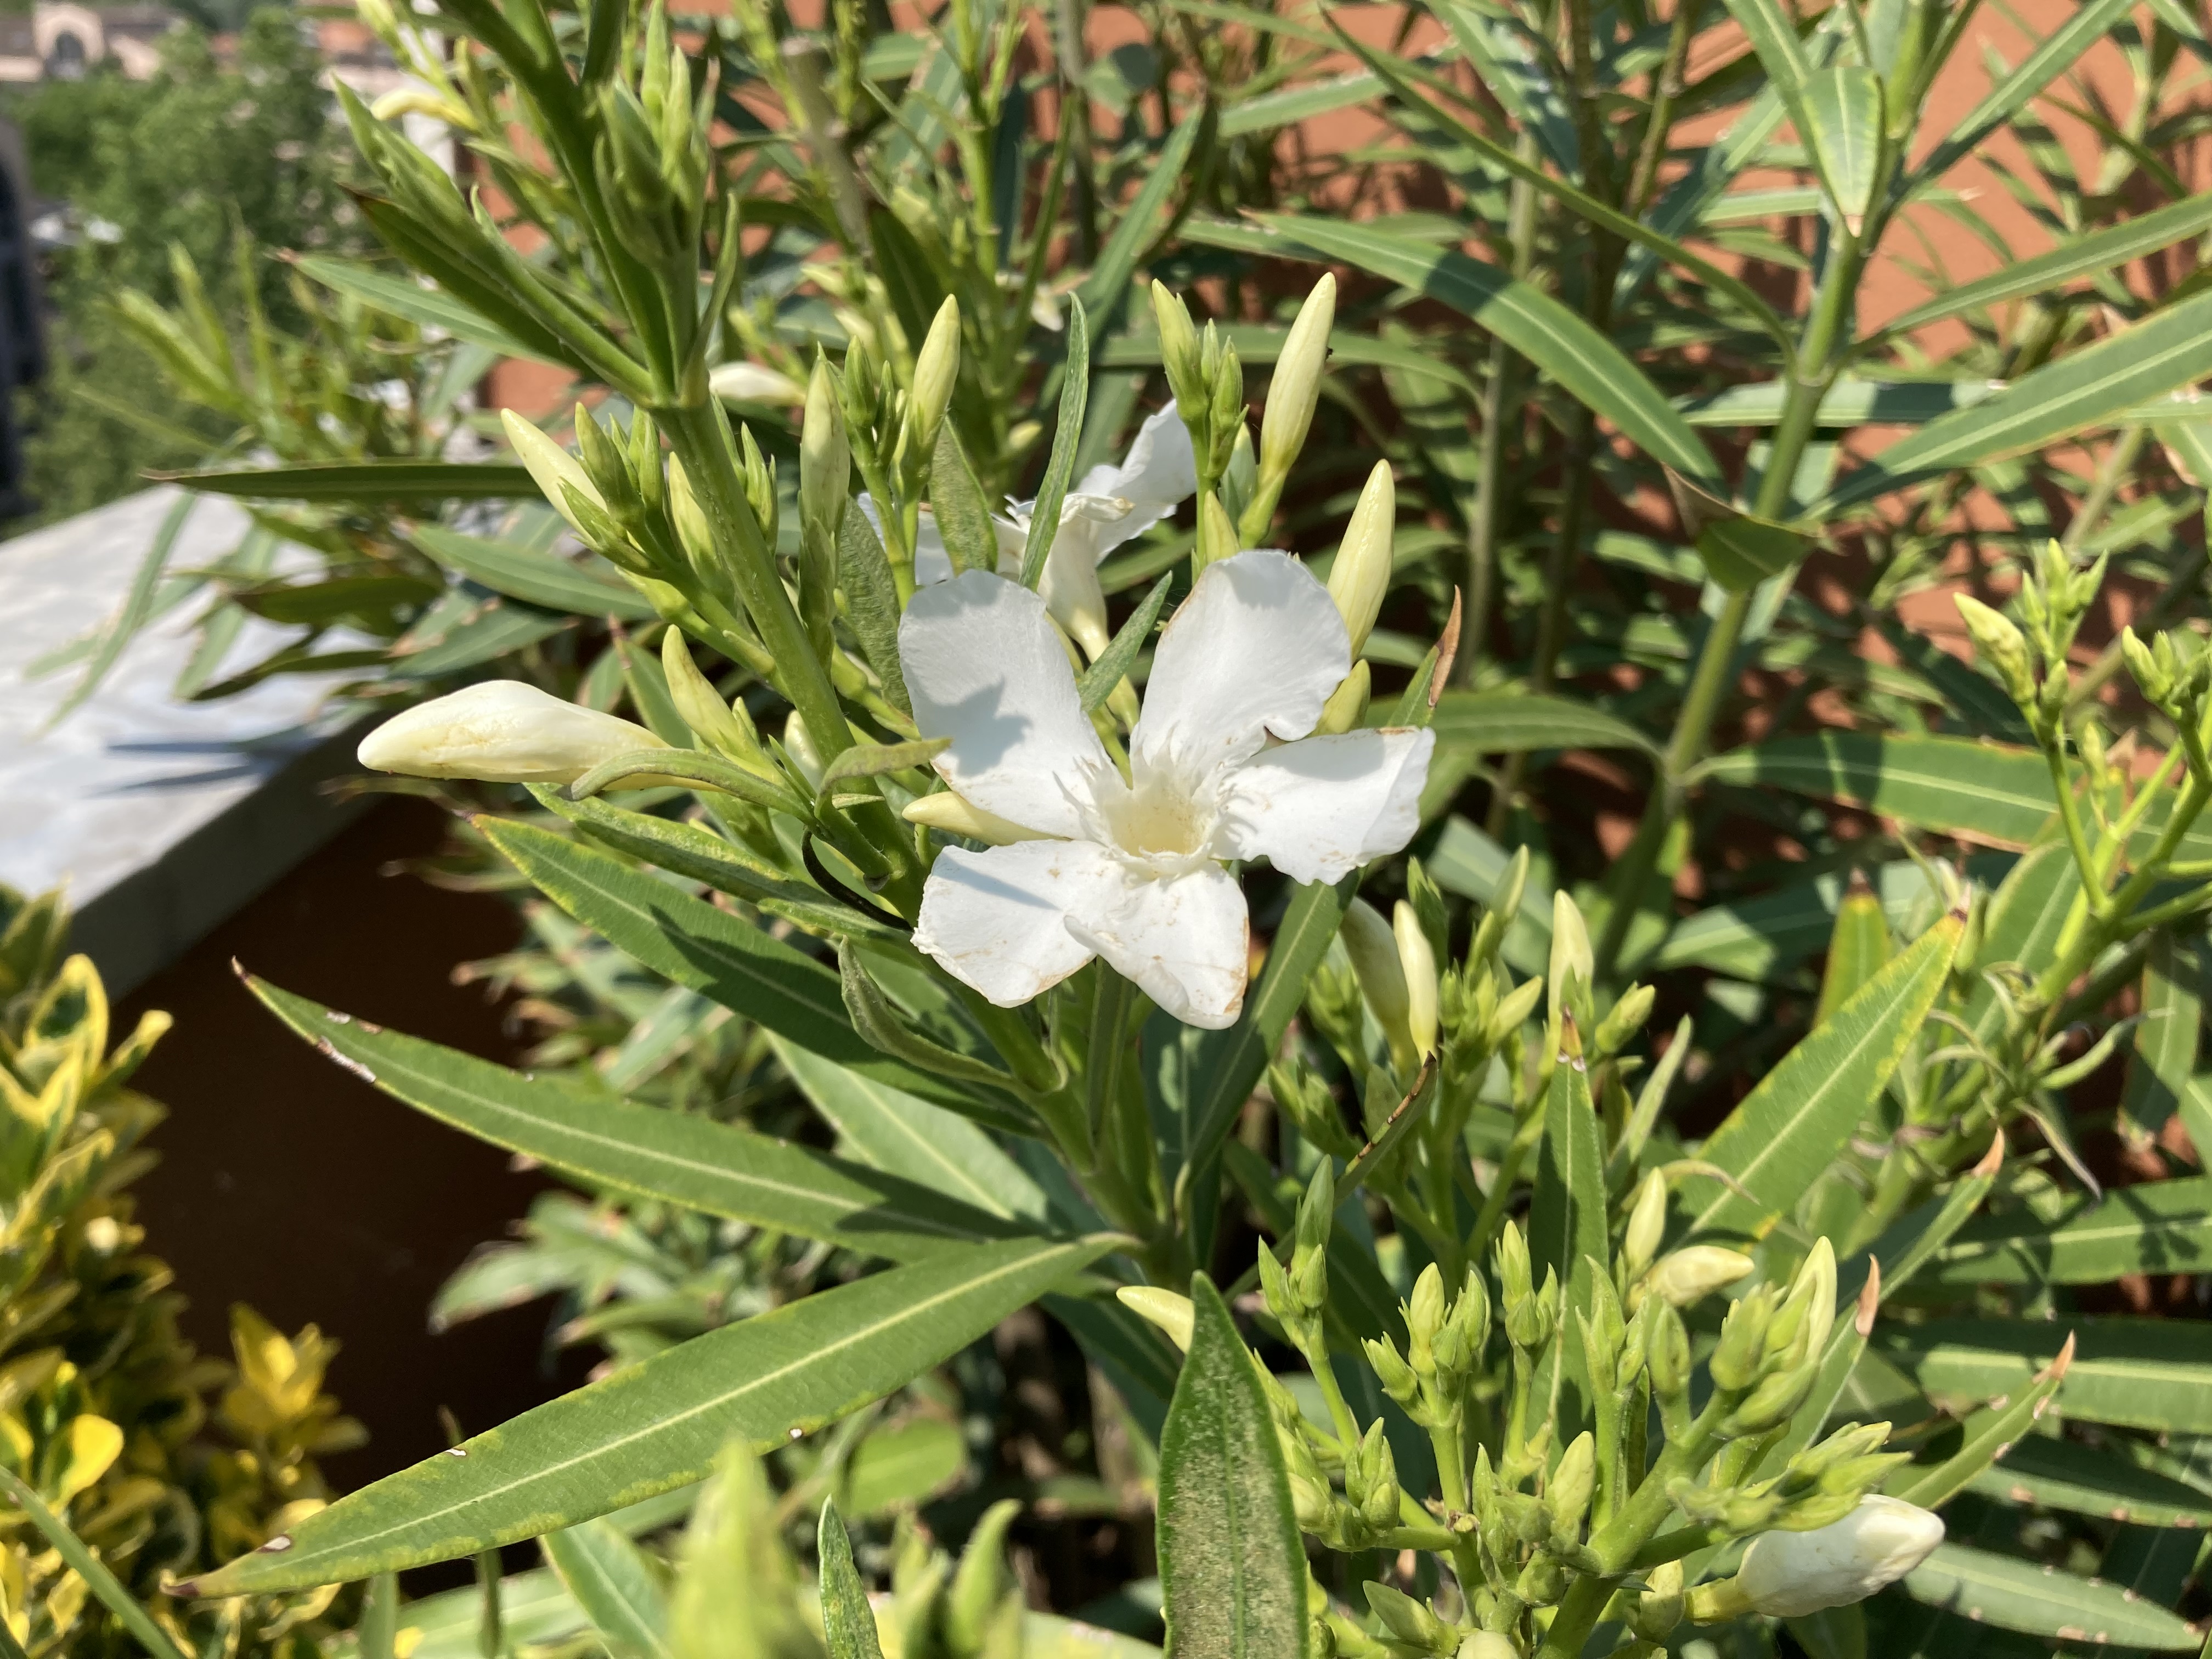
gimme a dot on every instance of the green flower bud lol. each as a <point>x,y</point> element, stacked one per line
<point>1772,1402</point>
<point>1573,963</point>
<point>1626,1020</point>
<point>1418,962</point>
<point>1305,1099</point>
<point>2000,644</point>
<point>1179,356</point>
<point>1275,1287</point>
<point>1424,1317</point>
<point>1647,1225</point>
<point>711,720</point>
<point>1360,576</point>
<point>1735,1361</point>
<point>1567,1493</point>
<point>1466,1332</point>
<point>1659,1608</point>
<point>1530,1327</point>
<point>1370,1480</point>
<point>825,458</point>
<point>1396,1376</point>
<point>1688,1275</point>
<point>1486,1645</point>
<point>1511,1259</point>
<point>1513,1011</point>
<point>1410,1622</point>
<point>1348,703</point>
<point>1666,1352</point>
<point>935,369</point>
<point>1802,1322</point>
<point>760,485</point>
<point>1373,948</point>
<point>555,471</point>
<point>1295,390</point>
<point>1225,406</point>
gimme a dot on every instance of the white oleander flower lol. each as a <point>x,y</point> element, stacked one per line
<point>1108,505</point>
<point>502,732</point>
<point>1132,871</point>
<point>1790,1574</point>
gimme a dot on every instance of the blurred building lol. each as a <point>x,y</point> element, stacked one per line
<point>61,40</point>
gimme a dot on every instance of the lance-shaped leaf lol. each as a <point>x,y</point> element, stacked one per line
<point>2164,1057</point>
<point>1586,363</point>
<point>535,577</point>
<point>1232,1569</point>
<point>1067,439</point>
<point>1739,548</point>
<point>364,481</point>
<point>1839,111</point>
<point>658,1424</point>
<point>2134,1373</point>
<point>2053,56</point>
<point>1511,63</point>
<point>1774,38</point>
<point>2014,1594</point>
<point>848,1623</point>
<point>618,1588</point>
<point>871,601</point>
<point>2170,347</point>
<point>2099,1480</point>
<point>2156,1227</point>
<point>1989,1436</point>
<point>1515,722</point>
<point>691,942</point>
<point>675,1157</point>
<point>1776,1142</point>
<point>402,296</point>
<point>1567,1216</point>
<point>1120,655</point>
<point>872,760</point>
<point>964,517</point>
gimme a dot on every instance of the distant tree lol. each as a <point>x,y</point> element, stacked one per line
<point>187,158</point>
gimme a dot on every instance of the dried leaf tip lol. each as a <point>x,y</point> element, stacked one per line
<point>238,968</point>
<point>2056,1371</point>
<point>1992,1160</point>
<point>1869,1300</point>
<point>1447,651</point>
<point>1571,1040</point>
<point>1857,885</point>
<point>184,1589</point>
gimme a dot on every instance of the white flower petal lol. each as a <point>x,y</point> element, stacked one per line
<point>1183,940</point>
<point>502,732</point>
<point>985,669</point>
<point>1320,808</point>
<point>995,919</point>
<point>1160,466</point>
<point>1255,650</point>
<point>932,563</point>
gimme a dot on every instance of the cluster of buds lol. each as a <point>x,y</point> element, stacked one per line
<point>2054,599</point>
<point>1444,1346</point>
<point>1298,1292</point>
<point>2173,672</point>
<point>1208,382</point>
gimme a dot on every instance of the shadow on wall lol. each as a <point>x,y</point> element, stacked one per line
<point>292,1185</point>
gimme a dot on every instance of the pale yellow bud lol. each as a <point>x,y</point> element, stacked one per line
<point>553,468</point>
<point>1347,704</point>
<point>957,815</point>
<point>754,383</point>
<point>1418,960</point>
<point>502,732</point>
<point>1691,1274</point>
<point>1297,387</point>
<point>1361,576</point>
<point>1165,1309</point>
<point>1647,1224</point>
<point>935,370</point>
<point>1373,948</point>
<point>1789,1575</point>
<point>1571,956</point>
<point>798,744</point>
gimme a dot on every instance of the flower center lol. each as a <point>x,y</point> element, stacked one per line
<point>1160,820</point>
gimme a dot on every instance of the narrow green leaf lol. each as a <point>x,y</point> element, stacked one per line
<point>694,944</point>
<point>1567,1224</point>
<point>1067,438</point>
<point>1779,1139</point>
<point>1839,111</point>
<point>848,1623</point>
<point>658,1425</point>
<point>1133,233</point>
<point>964,518</point>
<point>402,296</point>
<point>1517,722</point>
<point>2155,1227</point>
<point>871,601</point>
<point>1511,63</point>
<point>2134,1373</point>
<point>534,577</point>
<point>138,609</point>
<point>1586,363</point>
<point>2065,1474</point>
<point>2164,1057</point>
<point>872,760</point>
<point>2054,54</point>
<point>1849,401</point>
<point>1774,38</point>
<point>1232,1566</point>
<point>111,1595</point>
<point>1120,656</point>
<point>2171,348</point>
<point>364,481</point>
<point>616,1585</point>
<point>1293,105</point>
<point>1989,1435</point>
<point>2012,1593</point>
<point>2089,255</point>
<point>648,1151</point>
<point>1858,946</point>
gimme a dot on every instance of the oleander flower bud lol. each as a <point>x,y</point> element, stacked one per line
<point>1295,390</point>
<point>825,457</point>
<point>1486,1645</point>
<point>1309,1271</point>
<point>1165,1309</point>
<point>1802,1322</point>
<point>1737,1360</point>
<point>502,732</point>
<point>555,471</point>
<point>1305,1099</point>
<point>1666,1352</point>
<point>956,815</point>
<point>1179,353</point>
<point>798,744</point>
<point>754,383</point>
<point>1513,1011</point>
<point>1789,1575</point>
<point>1573,963</point>
<point>1458,1347</point>
<point>1370,1479</point>
<point>1659,1608</point>
<point>1408,1621</point>
<point>1688,1275</point>
<point>1361,575</point>
<point>1417,960</point>
<point>1647,1225</point>
<point>935,369</point>
<point>1567,1493</point>
<point>1373,948</point>
<point>1625,1021</point>
<point>1391,1370</point>
<point>2000,644</point>
<point>1348,703</point>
